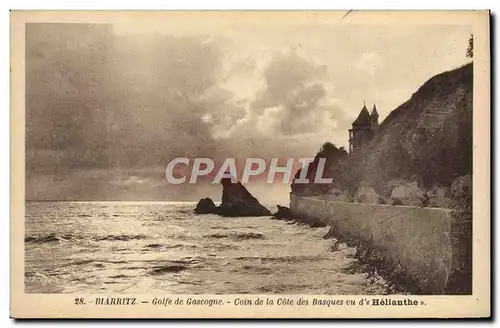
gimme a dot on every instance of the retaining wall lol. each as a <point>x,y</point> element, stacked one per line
<point>418,240</point>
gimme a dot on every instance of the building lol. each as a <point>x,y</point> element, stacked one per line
<point>363,129</point>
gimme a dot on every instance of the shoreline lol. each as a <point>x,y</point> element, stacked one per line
<point>367,261</point>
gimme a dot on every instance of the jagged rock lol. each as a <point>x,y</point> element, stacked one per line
<point>283,213</point>
<point>205,206</point>
<point>236,201</point>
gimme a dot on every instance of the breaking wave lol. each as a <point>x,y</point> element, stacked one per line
<point>237,235</point>
<point>55,238</point>
<point>167,248</point>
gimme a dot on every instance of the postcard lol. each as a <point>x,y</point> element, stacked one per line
<point>250,164</point>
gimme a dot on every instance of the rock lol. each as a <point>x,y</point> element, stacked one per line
<point>236,201</point>
<point>330,233</point>
<point>283,213</point>
<point>205,206</point>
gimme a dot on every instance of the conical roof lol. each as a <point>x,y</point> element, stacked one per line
<point>374,111</point>
<point>363,117</point>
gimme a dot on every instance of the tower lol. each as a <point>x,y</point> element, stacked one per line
<point>363,129</point>
<point>374,117</point>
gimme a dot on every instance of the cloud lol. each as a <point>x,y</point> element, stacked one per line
<point>269,121</point>
<point>369,62</point>
<point>300,91</point>
<point>147,91</point>
<point>106,112</point>
<point>126,104</point>
<point>131,181</point>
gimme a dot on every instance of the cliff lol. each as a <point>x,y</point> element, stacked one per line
<point>423,147</point>
<point>428,139</point>
<point>427,142</point>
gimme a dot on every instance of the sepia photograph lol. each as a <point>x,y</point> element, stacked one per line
<point>265,154</point>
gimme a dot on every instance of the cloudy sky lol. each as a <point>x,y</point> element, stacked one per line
<point>108,106</point>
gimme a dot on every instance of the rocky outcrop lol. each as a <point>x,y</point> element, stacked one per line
<point>205,206</point>
<point>236,201</point>
<point>283,213</point>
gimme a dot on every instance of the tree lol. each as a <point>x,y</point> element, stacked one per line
<point>470,48</point>
<point>333,157</point>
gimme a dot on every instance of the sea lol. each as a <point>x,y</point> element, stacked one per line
<point>147,247</point>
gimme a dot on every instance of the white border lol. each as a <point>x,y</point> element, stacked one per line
<point>186,4</point>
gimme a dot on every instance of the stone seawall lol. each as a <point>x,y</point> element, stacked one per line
<point>420,243</point>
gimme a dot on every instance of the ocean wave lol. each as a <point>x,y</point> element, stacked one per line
<point>156,247</point>
<point>45,239</point>
<point>292,258</point>
<point>281,288</point>
<point>237,235</point>
<point>188,260</point>
<point>220,247</point>
<point>55,238</point>
<point>120,276</point>
<point>153,246</point>
<point>253,269</point>
<point>169,268</point>
<point>121,237</point>
<point>82,262</point>
<point>174,266</point>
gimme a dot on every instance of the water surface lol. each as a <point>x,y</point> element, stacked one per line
<point>123,247</point>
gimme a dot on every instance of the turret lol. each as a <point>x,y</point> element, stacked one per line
<point>374,117</point>
<point>363,119</point>
<point>362,130</point>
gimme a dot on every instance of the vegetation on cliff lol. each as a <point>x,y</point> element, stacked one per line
<point>334,157</point>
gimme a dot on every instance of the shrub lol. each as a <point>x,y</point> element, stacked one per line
<point>397,201</point>
<point>367,195</point>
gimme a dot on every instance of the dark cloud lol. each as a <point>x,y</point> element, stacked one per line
<point>102,110</point>
<point>120,101</point>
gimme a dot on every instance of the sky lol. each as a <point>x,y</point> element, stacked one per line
<point>108,106</point>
